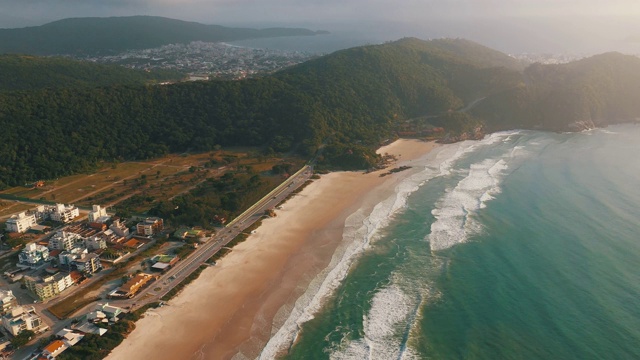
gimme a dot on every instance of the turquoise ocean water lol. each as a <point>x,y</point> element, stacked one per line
<point>525,245</point>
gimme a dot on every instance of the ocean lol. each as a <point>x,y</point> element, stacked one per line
<point>524,245</point>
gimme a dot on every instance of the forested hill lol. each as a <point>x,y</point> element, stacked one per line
<point>348,102</point>
<point>24,72</point>
<point>87,36</point>
<point>592,92</point>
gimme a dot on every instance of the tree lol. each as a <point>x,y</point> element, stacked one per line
<point>22,338</point>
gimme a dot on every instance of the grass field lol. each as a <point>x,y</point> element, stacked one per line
<point>8,208</point>
<point>158,179</point>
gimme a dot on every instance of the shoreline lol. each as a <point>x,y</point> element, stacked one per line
<point>234,308</point>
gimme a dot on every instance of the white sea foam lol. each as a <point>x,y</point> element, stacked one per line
<point>455,210</point>
<point>605,131</point>
<point>454,221</point>
<point>360,231</point>
<point>390,308</point>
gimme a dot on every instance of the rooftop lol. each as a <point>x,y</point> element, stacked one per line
<point>54,346</point>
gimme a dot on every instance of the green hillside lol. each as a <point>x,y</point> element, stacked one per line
<point>23,72</point>
<point>345,103</point>
<point>596,91</point>
<point>83,36</point>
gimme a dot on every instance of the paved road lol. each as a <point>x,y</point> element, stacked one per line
<point>187,266</point>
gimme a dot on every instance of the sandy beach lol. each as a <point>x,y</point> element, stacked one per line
<point>229,311</point>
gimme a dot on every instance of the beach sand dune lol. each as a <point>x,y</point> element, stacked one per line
<point>229,311</point>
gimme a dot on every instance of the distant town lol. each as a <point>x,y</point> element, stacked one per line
<point>548,58</point>
<point>204,60</point>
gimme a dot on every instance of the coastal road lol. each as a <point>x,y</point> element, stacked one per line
<point>187,266</point>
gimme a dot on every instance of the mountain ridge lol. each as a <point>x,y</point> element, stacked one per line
<point>110,35</point>
<point>27,72</point>
<point>345,103</point>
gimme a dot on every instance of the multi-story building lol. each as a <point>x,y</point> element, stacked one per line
<point>21,222</point>
<point>33,256</point>
<point>48,286</point>
<point>96,242</point>
<point>7,301</point>
<point>58,212</point>
<point>64,213</point>
<point>63,240</point>
<point>22,318</point>
<point>67,258</point>
<point>150,226</point>
<point>88,263</point>
<point>119,228</point>
<point>98,214</point>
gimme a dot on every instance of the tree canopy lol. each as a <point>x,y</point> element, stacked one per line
<point>345,103</point>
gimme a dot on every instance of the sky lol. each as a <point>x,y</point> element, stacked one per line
<point>511,25</point>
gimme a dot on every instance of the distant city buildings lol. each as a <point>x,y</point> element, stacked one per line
<point>203,60</point>
<point>547,59</point>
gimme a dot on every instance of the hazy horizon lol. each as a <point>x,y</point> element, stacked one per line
<point>568,26</point>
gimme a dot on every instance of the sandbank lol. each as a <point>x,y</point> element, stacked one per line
<point>230,310</point>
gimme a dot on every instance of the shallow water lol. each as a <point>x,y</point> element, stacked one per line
<point>521,246</point>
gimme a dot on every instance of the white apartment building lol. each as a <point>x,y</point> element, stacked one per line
<point>64,213</point>
<point>63,240</point>
<point>69,256</point>
<point>119,228</point>
<point>23,318</point>
<point>98,214</point>
<point>96,242</point>
<point>7,301</point>
<point>20,223</point>
<point>33,256</point>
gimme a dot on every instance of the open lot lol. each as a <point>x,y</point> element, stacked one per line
<point>7,208</point>
<point>139,184</point>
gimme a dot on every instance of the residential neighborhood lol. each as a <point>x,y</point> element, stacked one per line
<point>60,261</point>
<point>64,258</point>
<point>203,60</point>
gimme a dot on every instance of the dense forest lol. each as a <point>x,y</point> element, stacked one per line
<point>112,35</point>
<point>345,104</point>
<point>24,72</point>
<point>596,91</point>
